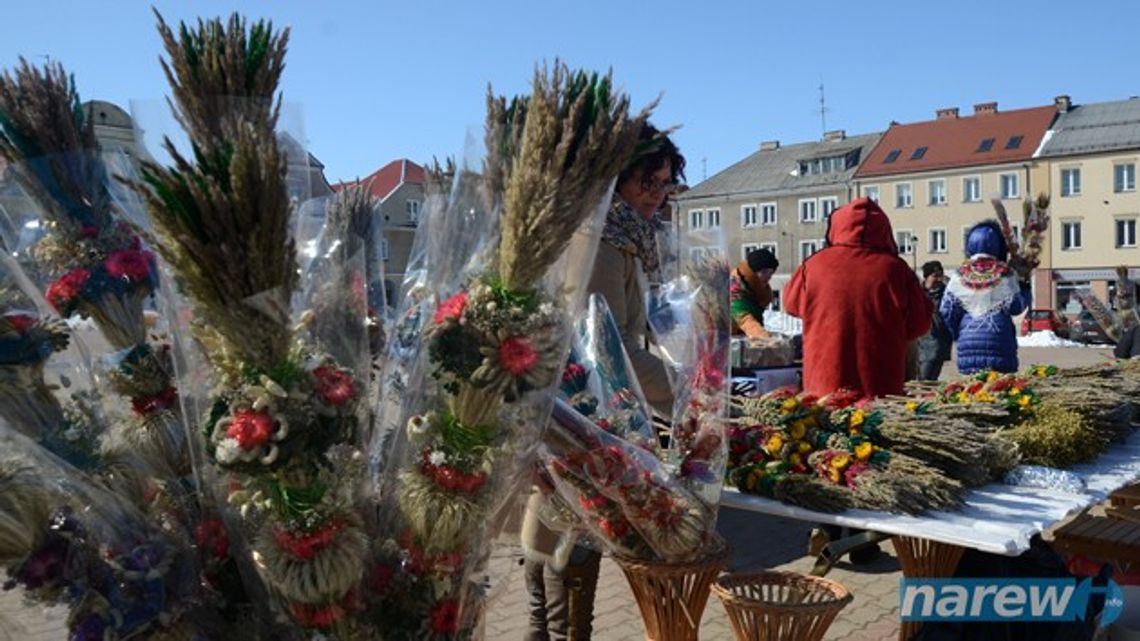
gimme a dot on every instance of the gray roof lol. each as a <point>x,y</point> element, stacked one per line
<point>775,172</point>
<point>1102,126</point>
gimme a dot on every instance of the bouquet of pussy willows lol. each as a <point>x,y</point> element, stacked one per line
<point>68,541</point>
<point>278,426</point>
<point>494,349</point>
<point>600,464</point>
<point>73,240</point>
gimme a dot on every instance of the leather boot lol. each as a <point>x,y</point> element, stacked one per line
<point>535,572</point>
<point>570,596</point>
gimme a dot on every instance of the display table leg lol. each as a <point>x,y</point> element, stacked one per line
<point>922,558</point>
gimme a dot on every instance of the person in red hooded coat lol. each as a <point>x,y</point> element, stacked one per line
<point>860,303</point>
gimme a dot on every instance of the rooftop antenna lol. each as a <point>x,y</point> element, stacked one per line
<point>704,168</point>
<point>822,111</point>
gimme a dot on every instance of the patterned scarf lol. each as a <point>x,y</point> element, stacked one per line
<point>984,285</point>
<point>629,232</point>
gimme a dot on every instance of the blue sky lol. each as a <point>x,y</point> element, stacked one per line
<point>376,81</point>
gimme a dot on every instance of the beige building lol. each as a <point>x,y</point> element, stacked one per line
<point>935,179</point>
<point>778,198</point>
<point>399,186</point>
<point>1090,155</point>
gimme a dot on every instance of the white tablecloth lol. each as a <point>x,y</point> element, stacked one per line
<point>995,518</point>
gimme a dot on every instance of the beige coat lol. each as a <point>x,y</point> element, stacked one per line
<point>617,277</point>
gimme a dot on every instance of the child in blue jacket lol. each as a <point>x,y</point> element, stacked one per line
<point>981,300</point>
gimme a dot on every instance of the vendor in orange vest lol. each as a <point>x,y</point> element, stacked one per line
<point>750,294</point>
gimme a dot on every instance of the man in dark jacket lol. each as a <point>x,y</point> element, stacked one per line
<point>934,348</point>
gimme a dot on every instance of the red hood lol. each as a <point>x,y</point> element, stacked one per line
<point>861,223</point>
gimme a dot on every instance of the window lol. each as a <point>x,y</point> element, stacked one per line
<point>772,247</point>
<point>807,248</point>
<point>1070,236</point>
<point>748,248</point>
<point>1126,232</point>
<point>384,248</point>
<point>712,218</point>
<point>695,253</point>
<point>972,189</point>
<point>828,165</point>
<point>1125,177</point>
<point>696,218</point>
<point>1070,182</point>
<point>413,209</point>
<point>918,153</point>
<point>904,238</point>
<point>748,215</point>
<point>807,211</point>
<point>1009,187</point>
<point>965,236</point>
<point>1014,142</point>
<point>938,240</point>
<point>986,145</point>
<point>903,196</point>
<point>937,192</point>
<point>892,156</point>
<point>828,205</point>
<point>768,214</point>
<point>872,192</point>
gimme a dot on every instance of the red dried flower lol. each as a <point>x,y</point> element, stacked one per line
<point>89,231</point>
<point>20,322</point>
<point>315,616</point>
<point>380,578</point>
<point>251,429</point>
<point>451,309</point>
<point>63,292</point>
<point>306,545</point>
<point>573,373</point>
<point>517,356</point>
<point>445,617</point>
<point>211,535</point>
<point>129,264</point>
<point>164,400</point>
<point>334,386</point>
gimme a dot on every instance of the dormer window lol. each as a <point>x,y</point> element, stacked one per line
<point>893,156</point>
<point>986,145</point>
<point>1014,142</point>
<point>918,153</point>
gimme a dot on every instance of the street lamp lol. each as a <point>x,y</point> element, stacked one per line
<point>914,252</point>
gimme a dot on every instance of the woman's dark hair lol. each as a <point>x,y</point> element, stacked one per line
<point>654,148</point>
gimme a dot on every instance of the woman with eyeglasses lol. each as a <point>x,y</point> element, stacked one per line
<point>627,263</point>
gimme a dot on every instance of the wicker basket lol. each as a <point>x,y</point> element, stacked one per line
<point>672,596</point>
<point>780,606</point>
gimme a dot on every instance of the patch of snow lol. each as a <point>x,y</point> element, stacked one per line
<point>1046,338</point>
<point>780,322</point>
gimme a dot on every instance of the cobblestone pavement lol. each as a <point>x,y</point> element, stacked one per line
<point>758,542</point>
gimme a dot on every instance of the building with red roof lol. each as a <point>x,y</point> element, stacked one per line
<point>935,178</point>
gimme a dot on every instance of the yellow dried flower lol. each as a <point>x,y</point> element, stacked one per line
<point>857,417</point>
<point>863,450</point>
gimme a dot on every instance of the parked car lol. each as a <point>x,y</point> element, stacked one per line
<point>1040,320</point>
<point>1085,329</point>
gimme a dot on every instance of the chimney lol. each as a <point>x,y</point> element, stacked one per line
<point>950,113</point>
<point>1064,104</point>
<point>838,134</point>
<point>770,145</point>
<point>985,108</point>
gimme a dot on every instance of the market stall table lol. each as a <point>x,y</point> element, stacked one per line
<point>996,518</point>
